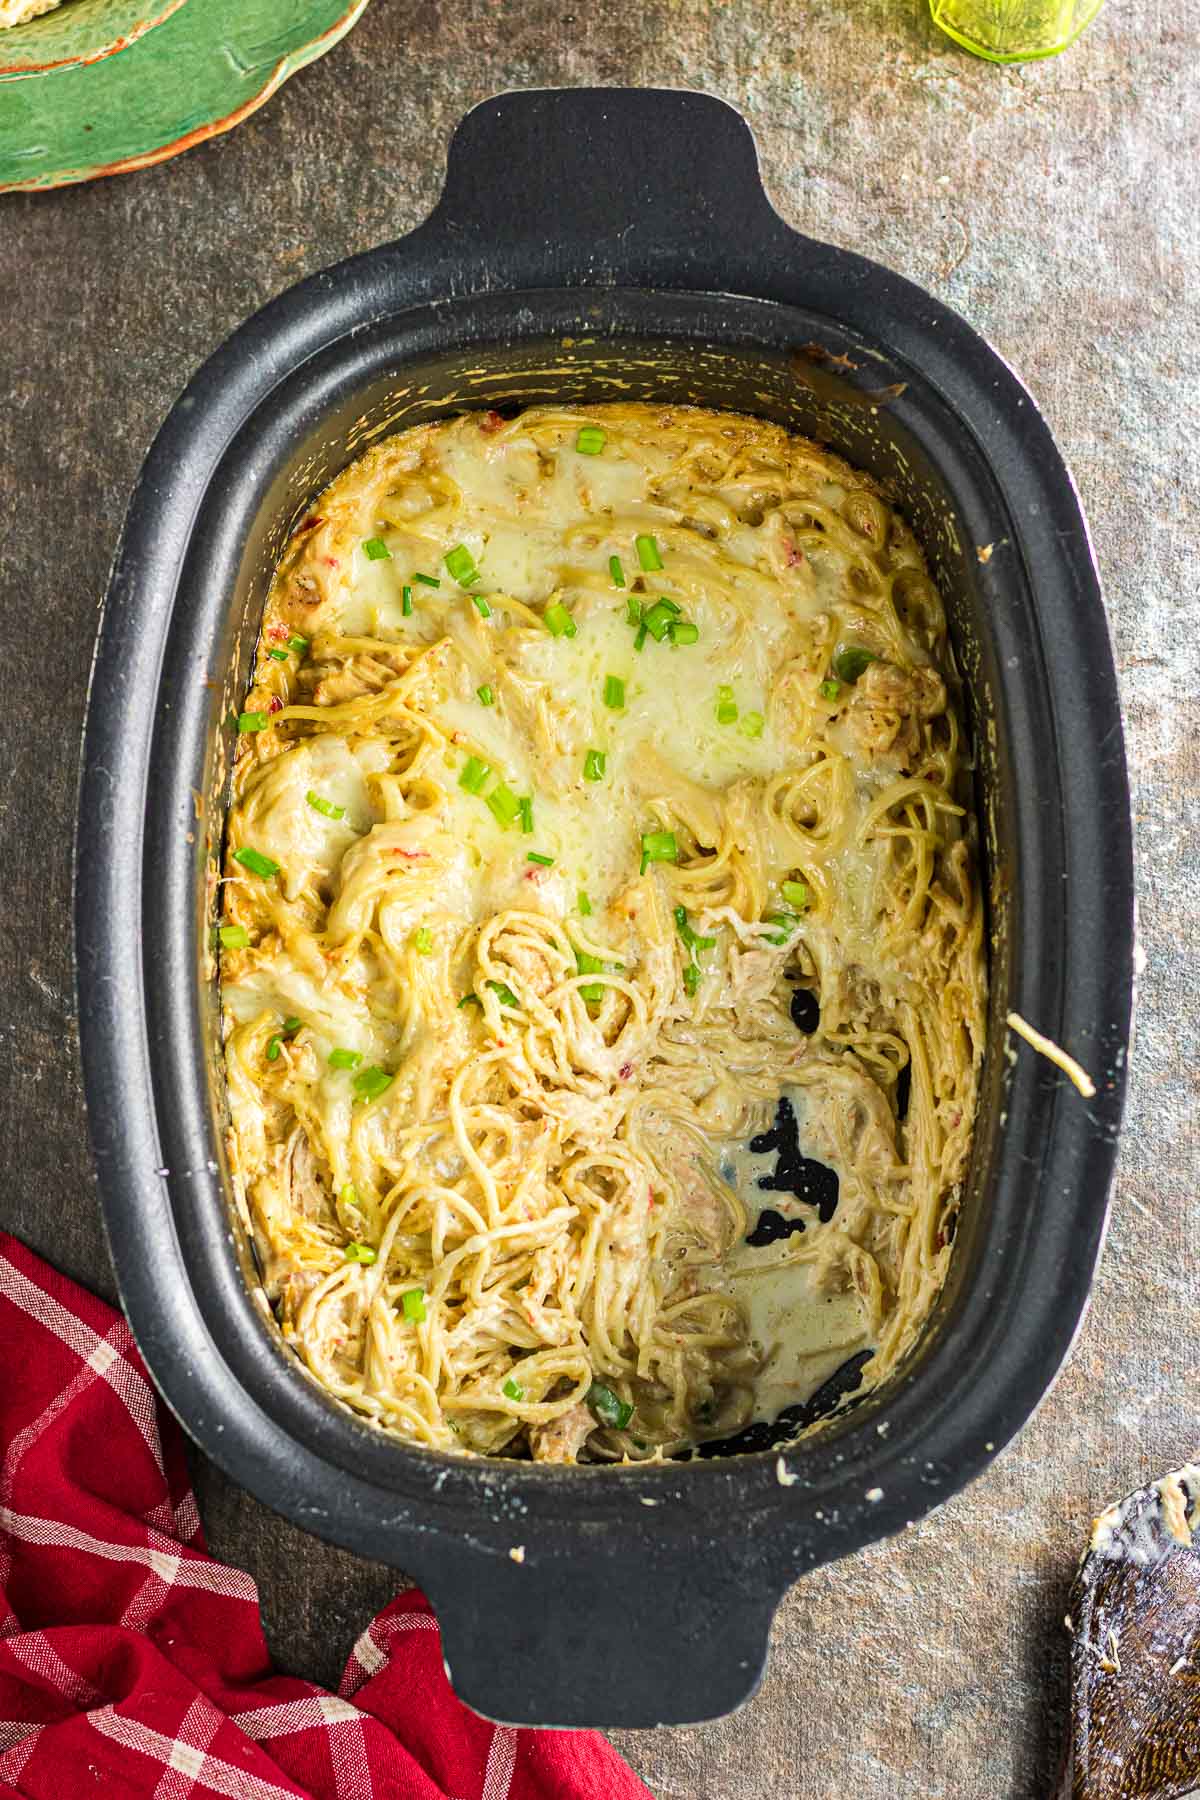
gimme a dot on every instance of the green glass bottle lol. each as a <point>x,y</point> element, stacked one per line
<point>1014,30</point>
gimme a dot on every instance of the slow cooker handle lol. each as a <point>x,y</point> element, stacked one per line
<point>623,1627</point>
<point>604,178</point>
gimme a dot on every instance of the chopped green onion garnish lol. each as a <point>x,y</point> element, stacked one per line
<point>593,765</point>
<point>503,804</point>
<point>375,550</point>
<point>640,639</point>
<point>344,1059</point>
<point>658,620</point>
<point>547,862</point>
<point>658,846</point>
<point>372,1082</point>
<point>252,721</point>
<point>278,655</point>
<point>503,993</point>
<point>724,693</point>
<point>413,1305</point>
<point>512,1390</point>
<point>795,893</point>
<point>752,725</point>
<point>233,937</point>
<point>527,815</point>
<point>469,1000</point>
<point>360,1253</point>
<point>691,973</point>
<point>672,606</point>
<point>348,1195</point>
<point>427,580</point>
<point>406,602</point>
<point>850,662</point>
<point>726,710</point>
<point>684,632</point>
<point>325,807</point>
<point>474,774</point>
<point>633,610</point>
<point>481,606</point>
<point>298,644</point>
<point>256,862</point>
<point>292,1026</point>
<point>587,964</point>
<point>788,922</point>
<point>689,937</point>
<point>830,690</point>
<point>461,564</point>
<point>616,571</point>
<point>273,1048</point>
<point>584,904</point>
<point>647,549</point>
<point>608,1407</point>
<point>485,696</point>
<point>590,441</point>
<point>614,692</point>
<point>423,941</point>
<point>558,621</point>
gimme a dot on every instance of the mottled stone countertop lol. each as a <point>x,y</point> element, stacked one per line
<point>1055,206</point>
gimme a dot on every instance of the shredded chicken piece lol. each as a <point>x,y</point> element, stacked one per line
<point>307,1194</point>
<point>563,1438</point>
<point>889,706</point>
<point>752,976</point>
<point>294,1289</point>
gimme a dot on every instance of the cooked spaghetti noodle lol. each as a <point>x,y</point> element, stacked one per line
<point>599,833</point>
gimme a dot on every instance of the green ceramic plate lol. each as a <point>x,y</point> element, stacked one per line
<point>81,32</point>
<point>202,70</point>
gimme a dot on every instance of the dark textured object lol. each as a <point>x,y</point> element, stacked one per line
<point>805,1010</point>
<point>824,1404</point>
<point>646,268</point>
<point>811,1181</point>
<point>770,1226</point>
<point>1135,1649</point>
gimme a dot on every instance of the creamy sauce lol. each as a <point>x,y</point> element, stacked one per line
<point>803,1333</point>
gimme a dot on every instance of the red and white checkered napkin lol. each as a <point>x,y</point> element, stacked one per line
<point>132,1664</point>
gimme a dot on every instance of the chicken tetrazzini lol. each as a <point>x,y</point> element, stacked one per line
<point>601,953</point>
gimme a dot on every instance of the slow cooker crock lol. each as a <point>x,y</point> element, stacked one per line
<point>592,243</point>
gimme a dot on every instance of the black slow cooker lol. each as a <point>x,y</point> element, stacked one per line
<point>594,244</point>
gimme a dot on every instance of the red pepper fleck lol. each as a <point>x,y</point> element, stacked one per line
<point>412,855</point>
<point>490,421</point>
<point>332,561</point>
<point>795,554</point>
<point>277,632</point>
<point>537,876</point>
<point>312,521</point>
<point>274,704</point>
<point>625,1071</point>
